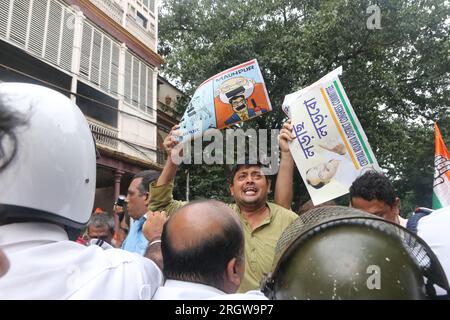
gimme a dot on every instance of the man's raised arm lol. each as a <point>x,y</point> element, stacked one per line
<point>284,186</point>
<point>170,168</point>
<point>161,198</point>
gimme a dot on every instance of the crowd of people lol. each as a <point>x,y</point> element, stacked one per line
<point>168,249</point>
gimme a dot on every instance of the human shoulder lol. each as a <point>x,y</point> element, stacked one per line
<point>116,274</point>
<point>281,212</point>
<point>233,207</point>
<point>117,258</point>
<point>434,220</point>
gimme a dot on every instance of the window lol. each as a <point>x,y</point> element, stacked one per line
<point>150,4</point>
<point>39,27</point>
<point>99,61</point>
<point>138,84</point>
<point>140,19</point>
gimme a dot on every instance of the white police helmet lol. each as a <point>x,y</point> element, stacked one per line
<point>52,176</point>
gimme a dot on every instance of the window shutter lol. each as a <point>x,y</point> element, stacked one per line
<point>128,78</point>
<point>135,86</point>
<point>53,32</point>
<point>152,6</point>
<point>149,90</point>
<point>19,21</point>
<point>95,57</point>
<point>142,87</point>
<point>138,83</point>
<point>105,64</point>
<point>4,14</point>
<point>114,68</point>
<point>37,27</point>
<point>66,49</point>
<point>85,51</point>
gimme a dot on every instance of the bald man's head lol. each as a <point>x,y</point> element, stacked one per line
<point>198,242</point>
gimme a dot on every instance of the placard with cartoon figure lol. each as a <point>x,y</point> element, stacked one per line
<point>240,94</point>
<point>232,96</point>
<point>330,149</point>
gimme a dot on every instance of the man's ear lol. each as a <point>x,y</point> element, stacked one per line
<point>233,275</point>
<point>231,189</point>
<point>269,186</point>
<point>147,198</point>
<point>397,204</point>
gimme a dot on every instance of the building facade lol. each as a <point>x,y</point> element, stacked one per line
<point>101,54</point>
<point>169,97</point>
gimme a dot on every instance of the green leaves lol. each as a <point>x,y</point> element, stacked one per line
<point>397,77</point>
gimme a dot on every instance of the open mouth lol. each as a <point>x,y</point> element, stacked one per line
<point>250,191</point>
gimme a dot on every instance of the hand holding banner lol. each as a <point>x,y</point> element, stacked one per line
<point>330,149</point>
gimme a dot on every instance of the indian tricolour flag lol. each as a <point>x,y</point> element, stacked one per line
<point>441,184</point>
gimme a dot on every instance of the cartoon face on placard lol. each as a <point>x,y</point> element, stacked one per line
<point>239,98</point>
<point>231,96</point>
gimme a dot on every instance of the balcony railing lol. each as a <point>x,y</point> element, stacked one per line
<point>112,9</point>
<point>116,12</point>
<point>103,134</point>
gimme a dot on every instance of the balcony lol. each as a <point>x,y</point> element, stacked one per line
<point>139,32</point>
<point>112,9</point>
<point>116,12</point>
<point>103,134</point>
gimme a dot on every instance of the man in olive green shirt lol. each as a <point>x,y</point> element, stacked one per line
<point>262,221</point>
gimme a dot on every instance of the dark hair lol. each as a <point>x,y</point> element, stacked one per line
<point>102,219</point>
<point>373,185</point>
<point>206,261</point>
<point>148,176</point>
<point>9,120</point>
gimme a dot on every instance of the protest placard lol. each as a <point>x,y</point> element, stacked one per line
<point>330,149</point>
<point>231,96</point>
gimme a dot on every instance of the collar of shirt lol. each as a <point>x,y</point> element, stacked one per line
<point>31,231</point>
<point>175,289</point>
<point>140,222</point>
<point>137,224</point>
<point>136,241</point>
<point>266,221</point>
<point>187,284</point>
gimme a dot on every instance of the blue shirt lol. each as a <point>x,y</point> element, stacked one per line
<point>136,241</point>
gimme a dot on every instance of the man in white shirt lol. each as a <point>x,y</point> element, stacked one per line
<point>203,253</point>
<point>434,228</point>
<point>47,187</point>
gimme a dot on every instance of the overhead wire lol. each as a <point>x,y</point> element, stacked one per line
<point>62,89</point>
<point>129,143</point>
